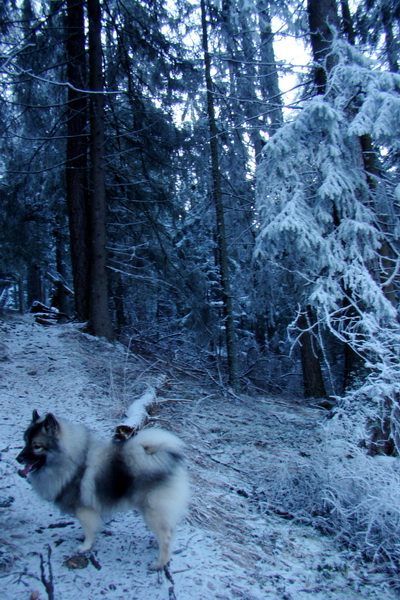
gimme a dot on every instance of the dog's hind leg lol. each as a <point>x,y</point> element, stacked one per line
<point>90,521</point>
<point>159,524</point>
<point>164,537</point>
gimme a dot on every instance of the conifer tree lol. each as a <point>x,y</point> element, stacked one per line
<point>220,216</point>
<point>77,155</point>
<point>99,315</point>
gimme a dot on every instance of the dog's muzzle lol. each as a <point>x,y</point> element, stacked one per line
<point>29,465</point>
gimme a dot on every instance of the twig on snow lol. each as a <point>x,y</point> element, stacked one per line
<point>225,465</point>
<point>94,561</point>
<point>47,582</point>
<point>171,589</point>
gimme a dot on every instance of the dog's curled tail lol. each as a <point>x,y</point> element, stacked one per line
<point>156,450</point>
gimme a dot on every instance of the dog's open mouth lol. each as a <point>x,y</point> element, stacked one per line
<point>28,468</point>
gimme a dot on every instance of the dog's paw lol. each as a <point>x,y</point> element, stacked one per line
<point>83,548</point>
<point>156,566</point>
<point>159,565</point>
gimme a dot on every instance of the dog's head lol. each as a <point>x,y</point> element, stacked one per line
<point>41,437</point>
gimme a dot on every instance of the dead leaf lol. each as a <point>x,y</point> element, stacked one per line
<point>77,561</point>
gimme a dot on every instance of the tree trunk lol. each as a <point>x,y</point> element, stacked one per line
<point>269,79</point>
<point>118,290</point>
<point>34,285</point>
<point>21,295</point>
<point>314,386</point>
<point>390,38</point>
<point>77,142</point>
<point>387,256</point>
<point>99,315</point>
<point>348,28</point>
<point>60,296</point>
<point>233,370</point>
<point>321,15</point>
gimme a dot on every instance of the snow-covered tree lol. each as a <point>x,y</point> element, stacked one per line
<point>332,223</point>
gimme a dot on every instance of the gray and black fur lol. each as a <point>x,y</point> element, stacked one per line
<point>90,478</point>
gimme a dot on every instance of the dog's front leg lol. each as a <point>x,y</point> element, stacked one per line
<point>90,521</point>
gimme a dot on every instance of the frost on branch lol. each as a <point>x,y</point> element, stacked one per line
<point>343,492</point>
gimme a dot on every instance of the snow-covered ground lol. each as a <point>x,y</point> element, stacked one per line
<point>230,546</point>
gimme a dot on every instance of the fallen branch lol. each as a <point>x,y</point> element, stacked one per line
<point>47,582</point>
<point>225,465</point>
<point>62,524</point>
<point>171,589</point>
<point>58,280</point>
<point>95,562</point>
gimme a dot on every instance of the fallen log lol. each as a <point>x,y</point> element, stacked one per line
<point>47,315</point>
<point>38,307</point>
<point>137,414</point>
<point>44,321</point>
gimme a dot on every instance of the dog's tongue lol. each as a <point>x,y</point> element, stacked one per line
<point>24,472</point>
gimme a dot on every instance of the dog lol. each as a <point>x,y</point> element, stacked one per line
<point>92,479</point>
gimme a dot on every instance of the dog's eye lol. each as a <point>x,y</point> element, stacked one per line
<point>37,447</point>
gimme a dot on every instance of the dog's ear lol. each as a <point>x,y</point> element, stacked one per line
<point>35,416</point>
<point>51,424</point>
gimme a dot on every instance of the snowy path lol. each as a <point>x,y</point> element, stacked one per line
<point>227,549</point>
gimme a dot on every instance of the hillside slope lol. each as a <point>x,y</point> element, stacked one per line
<point>235,544</point>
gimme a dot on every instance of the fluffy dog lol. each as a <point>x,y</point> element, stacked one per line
<point>92,479</point>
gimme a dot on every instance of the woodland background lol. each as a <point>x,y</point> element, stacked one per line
<point>159,181</point>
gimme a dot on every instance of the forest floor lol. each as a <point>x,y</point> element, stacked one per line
<point>231,546</point>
